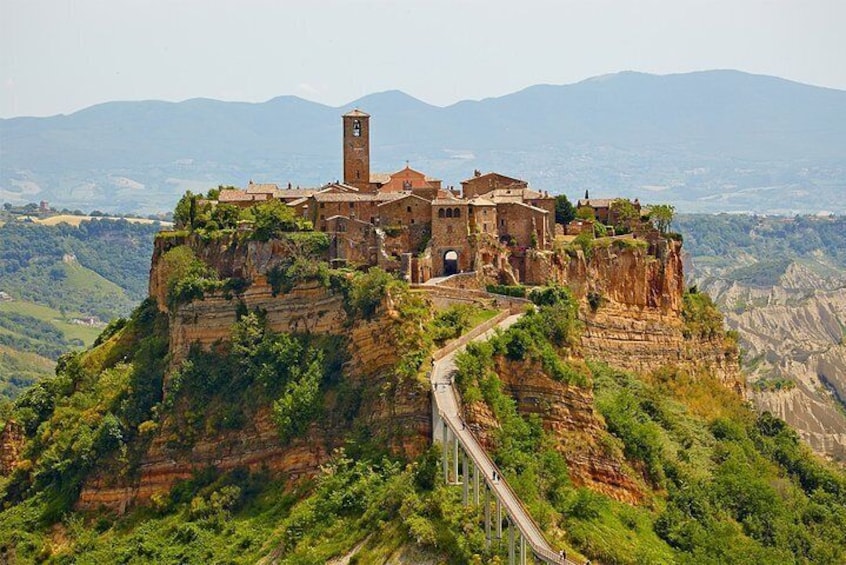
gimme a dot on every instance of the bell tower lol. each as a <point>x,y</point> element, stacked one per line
<point>357,149</point>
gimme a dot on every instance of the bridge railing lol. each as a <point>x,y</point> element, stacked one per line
<point>481,459</point>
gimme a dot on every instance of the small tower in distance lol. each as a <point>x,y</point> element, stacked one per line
<point>357,149</point>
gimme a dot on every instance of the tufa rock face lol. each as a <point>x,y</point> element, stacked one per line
<point>12,441</point>
<point>567,413</point>
<point>631,304</point>
<point>397,412</point>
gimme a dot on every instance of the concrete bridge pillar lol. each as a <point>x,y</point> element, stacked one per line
<point>465,478</point>
<point>498,519</point>
<point>475,485</point>
<point>522,550</point>
<point>487,516</point>
<point>455,458</point>
<point>445,453</point>
<point>511,554</point>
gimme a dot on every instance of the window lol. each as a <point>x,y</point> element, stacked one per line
<point>352,205</point>
<point>322,204</point>
<point>357,128</point>
<point>408,208</point>
<point>449,213</point>
<point>440,212</point>
<point>412,220</point>
<point>456,213</point>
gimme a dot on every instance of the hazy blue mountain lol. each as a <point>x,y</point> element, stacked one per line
<point>706,141</point>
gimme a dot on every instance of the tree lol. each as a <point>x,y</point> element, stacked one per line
<point>623,214</point>
<point>226,215</point>
<point>564,211</point>
<point>661,216</point>
<point>585,213</point>
<point>185,210</point>
<point>272,218</point>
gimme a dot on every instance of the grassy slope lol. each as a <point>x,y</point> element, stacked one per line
<point>62,322</point>
<point>20,369</point>
<point>374,505</point>
<point>69,286</point>
<point>722,484</point>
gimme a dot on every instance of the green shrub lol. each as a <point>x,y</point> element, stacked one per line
<point>701,317</point>
<point>368,290</point>
<point>284,277</point>
<point>273,218</point>
<point>517,291</point>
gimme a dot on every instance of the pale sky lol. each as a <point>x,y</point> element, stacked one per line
<point>59,56</point>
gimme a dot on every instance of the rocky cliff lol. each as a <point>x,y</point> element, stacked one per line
<point>630,301</point>
<point>397,411</point>
<point>631,304</point>
<point>12,441</point>
<point>568,413</point>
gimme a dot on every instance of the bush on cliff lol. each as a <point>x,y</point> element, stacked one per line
<point>89,413</point>
<point>701,317</point>
<point>186,277</point>
<point>220,389</point>
<point>273,218</point>
<point>723,485</point>
<point>284,277</point>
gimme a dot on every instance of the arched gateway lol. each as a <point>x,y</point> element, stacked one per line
<point>450,262</point>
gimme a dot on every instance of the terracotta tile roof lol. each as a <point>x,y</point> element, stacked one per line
<point>265,188</point>
<point>295,193</point>
<point>403,196</point>
<point>356,113</point>
<point>493,174</point>
<point>380,178</point>
<point>523,204</point>
<point>335,186</point>
<point>595,202</point>
<point>229,195</point>
<point>479,201</point>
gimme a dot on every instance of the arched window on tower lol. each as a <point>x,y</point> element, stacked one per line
<point>441,212</point>
<point>456,213</point>
<point>449,213</point>
<point>357,128</point>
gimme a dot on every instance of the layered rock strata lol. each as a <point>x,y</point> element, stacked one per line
<point>631,303</point>
<point>567,413</point>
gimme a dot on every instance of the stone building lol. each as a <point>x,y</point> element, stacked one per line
<point>408,221</point>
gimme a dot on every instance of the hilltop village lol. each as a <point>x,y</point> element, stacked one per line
<point>407,222</point>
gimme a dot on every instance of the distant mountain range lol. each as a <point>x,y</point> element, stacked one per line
<point>705,142</point>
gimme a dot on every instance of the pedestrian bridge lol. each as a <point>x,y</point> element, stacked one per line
<point>465,462</point>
